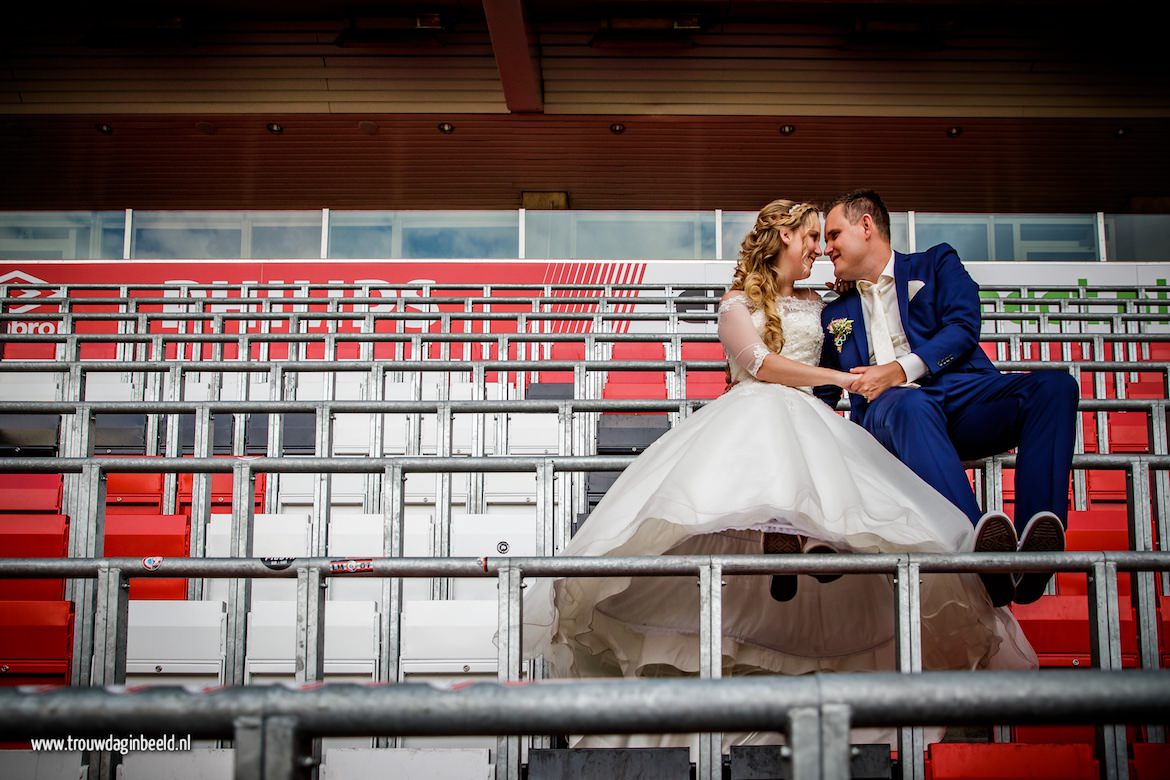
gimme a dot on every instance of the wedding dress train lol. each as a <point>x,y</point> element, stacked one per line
<point>765,458</point>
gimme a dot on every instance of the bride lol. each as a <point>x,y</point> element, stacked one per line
<point>765,468</point>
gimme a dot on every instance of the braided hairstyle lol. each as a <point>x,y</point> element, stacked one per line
<point>755,274</point>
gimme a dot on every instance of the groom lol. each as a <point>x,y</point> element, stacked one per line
<point>930,395</point>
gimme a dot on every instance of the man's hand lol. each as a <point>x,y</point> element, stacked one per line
<point>840,286</point>
<point>727,383</point>
<point>875,380</point>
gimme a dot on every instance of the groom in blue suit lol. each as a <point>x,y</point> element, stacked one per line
<point>928,393</point>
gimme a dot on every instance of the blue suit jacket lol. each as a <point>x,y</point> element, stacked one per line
<point>942,323</point>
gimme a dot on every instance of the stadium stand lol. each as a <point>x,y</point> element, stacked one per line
<point>365,498</point>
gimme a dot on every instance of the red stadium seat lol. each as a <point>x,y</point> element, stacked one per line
<point>150,535</point>
<point>1055,735</point>
<point>638,351</point>
<point>630,390</point>
<point>36,642</point>
<point>1151,761</point>
<point>972,761</point>
<point>30,493</point>
<point>33,536</point>
<point>134,493</point>
<point>704,384</point>
<point>1058,628</point>
<point>563,350</point>
<point>221,491</point>
<point>1093,531</point>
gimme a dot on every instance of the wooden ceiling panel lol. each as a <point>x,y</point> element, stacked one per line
<point>397,161</point>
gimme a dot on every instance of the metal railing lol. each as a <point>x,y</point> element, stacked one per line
<point>819,729</point>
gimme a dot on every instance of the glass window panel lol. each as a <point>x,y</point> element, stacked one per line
<point>209,235</point>
<point>424,234</point>
<point>287,241</point>
<point>1137,237</point>
<point>620,235</point>
<point>900,231</point>
<point>1071,237</point>
<point>970,241</point>
<point>736,224</point>
<point>71,235</point>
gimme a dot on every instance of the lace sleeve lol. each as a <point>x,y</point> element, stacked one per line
<point>738,334</point>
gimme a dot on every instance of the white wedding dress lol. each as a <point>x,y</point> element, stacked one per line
<point>776,458</point>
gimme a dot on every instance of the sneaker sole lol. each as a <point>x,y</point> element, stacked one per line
<point>823,549</point>
<point>1047,536</point>
<point>997,537</point>
<point>783,586</point>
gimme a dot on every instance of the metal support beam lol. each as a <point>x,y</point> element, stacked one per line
<point>508,666</point>
<point>240,589</point>
<point>911,741</point>
<point>1105,636</point>
<point>710,661</point>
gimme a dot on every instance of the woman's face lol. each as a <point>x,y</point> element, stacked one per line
<point>803,246</point>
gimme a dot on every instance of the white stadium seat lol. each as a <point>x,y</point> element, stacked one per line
<point>195,764</point>
<point>183,640</point>
<point>351,640</point>
<point>40,765</point>
<point>433,764</point>
<point>274,535</point>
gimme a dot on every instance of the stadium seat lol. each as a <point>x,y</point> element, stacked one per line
<point>1058,628</point>
<point>351,640</point>
<point>433,764</point>
<point>356,536</point>
<point>283,535</point>
<point>1151,761</point>
<point>134,493</point>
<point>968,761</point>
<point>502,535</point>
<point>1092,531</point>
<point>33,536</point>
<point>198,763</point>
<point>175,643</point>
<point>150,535</point>
<point>40,764</point>
<point>30,493</point>
<point>36,642</point>
<point>449,637</point>
<point>563,350</point>
<point>221,491</point>
<point>29,435</point>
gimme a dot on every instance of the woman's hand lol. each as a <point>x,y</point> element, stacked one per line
<point>846,381</point>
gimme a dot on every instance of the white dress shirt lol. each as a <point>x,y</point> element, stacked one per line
<point>913,365</point>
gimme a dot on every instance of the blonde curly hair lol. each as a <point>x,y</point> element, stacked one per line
<point>755,274</point>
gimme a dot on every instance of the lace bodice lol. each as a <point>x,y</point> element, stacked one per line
<point>741,331</point>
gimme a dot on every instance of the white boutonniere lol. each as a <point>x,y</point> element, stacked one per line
<point>840,329</point>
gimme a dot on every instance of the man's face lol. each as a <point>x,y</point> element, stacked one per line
<point>845,244</point>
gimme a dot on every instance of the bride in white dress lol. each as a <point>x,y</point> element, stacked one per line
<point>768,467</point>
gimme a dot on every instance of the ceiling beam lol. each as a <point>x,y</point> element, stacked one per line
<point>519,68</point>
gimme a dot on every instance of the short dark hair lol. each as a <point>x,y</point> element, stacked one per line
<point>861,202</point>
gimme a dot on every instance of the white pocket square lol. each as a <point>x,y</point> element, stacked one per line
<point>912,288</point>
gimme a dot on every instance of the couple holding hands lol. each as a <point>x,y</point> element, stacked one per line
<point>770,467</point>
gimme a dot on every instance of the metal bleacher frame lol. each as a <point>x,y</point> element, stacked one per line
<point>268,726</point>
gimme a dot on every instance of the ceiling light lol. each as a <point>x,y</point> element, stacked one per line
<point>954,131</point>
<point>617,128</point>
<point>104,128</point>
<point>787,129</point>
<point>446,127</point>
<point>274,128</point>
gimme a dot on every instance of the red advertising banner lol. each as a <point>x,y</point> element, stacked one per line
<point>381,278</point>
